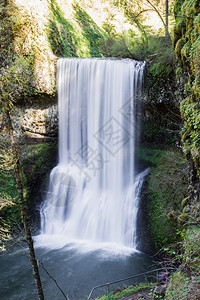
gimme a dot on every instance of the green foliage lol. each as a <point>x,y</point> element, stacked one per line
<point>66,40</point>
<point>149,156</point>
<point>61,34</point>
<point>156,51</point>
<point>16,72</point>
<point>179,29</point>
<point>16,84</point>
<point>7,17</point>
<point>115,46</point>
<point>191,130</point>
<point>179,45</point>
<point>165,189</point>
<point>9,207</point>
<point>92,33</point>
<point>191,250</point>
<point>11,216</point>
<point>178,287</point>
<point>187,45</point>
<point>177,7</point>
<point>185,53</point>
<point>7,181</point>
<point>195,65</point>
<point>36,160</point>
<point>82,37</point>
<point>126,291</point>
<point>160,71</point>
<point>16,80</point>
<point>185,283</point>
<point>108,25</point>
<point>191,7</point>
<point>160,131</point>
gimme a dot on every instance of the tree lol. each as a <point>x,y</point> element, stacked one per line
<point>16,81</point>
<point>166,17</point>
<point>135,9</point>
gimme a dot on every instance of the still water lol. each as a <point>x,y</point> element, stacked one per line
<point>77,268</point>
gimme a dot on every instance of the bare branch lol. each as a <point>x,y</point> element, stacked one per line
<point>157,11</point>
<point>54,281</point>
<point>143,11</point>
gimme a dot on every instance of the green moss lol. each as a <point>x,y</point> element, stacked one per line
<point>188,5</point>
<point>70,39</point>
<point>180,28</point>
<point>185,52</point>
<point>189,35</point>
<point>16,80</point>
<point>150,157</point>
<point>61,33</point>
<point>188,52</point>
<point>196,7</point>
<point>195,65</point>
<point>177,7</point>
<point>165,188</point>
<point>191,130</point>
<point>179,45</point>
<point>37,160</point>
<point>9,214</point>
<point>91,32</point>
<point>192,6</point>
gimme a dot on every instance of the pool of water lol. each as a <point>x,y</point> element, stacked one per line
<point>76,266</point>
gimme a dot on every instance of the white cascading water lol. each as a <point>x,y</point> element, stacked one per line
<point>93,191</point>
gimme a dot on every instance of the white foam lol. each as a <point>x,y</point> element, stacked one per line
<point>104,249</point>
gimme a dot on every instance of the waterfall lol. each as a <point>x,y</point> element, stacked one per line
<point>94,190</point>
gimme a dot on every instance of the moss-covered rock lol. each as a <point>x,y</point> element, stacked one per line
<point>188,52</point>
<point>179,45</point>
<point>165,188</point>
<point>185,53</point>
<point>178,30</point>
<point>184,284</point>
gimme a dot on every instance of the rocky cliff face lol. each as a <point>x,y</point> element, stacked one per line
<point>36,122</point>
<point>187,47</point>
<point>39,32</point>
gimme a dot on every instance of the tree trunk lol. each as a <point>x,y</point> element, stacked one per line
<point>166,20</point>
<point>23,206</point>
